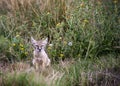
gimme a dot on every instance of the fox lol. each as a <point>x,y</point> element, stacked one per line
<point>40,58</point>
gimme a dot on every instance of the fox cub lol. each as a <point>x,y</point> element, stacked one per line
<point>41,59</point>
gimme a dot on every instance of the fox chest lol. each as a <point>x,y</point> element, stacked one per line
<point>41,55</point>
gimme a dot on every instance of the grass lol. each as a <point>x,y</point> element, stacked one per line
<point>85,25</point>
<point>100,71</point>
<point>89,73</point>
<point>80,31</point>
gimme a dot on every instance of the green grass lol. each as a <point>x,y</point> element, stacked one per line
<point>82,30</point>
<point>83,24</point>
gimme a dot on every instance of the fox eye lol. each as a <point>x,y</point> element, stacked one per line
<point>41,45</point>
<point>36,45</point>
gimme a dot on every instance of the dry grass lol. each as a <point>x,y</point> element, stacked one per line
<point>21,8</point>
<point>14,5</point>
<point>52,6</point>
<point>47,77</point>
<point>102,72</point>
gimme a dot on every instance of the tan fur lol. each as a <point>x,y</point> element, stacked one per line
<point>41,59</point>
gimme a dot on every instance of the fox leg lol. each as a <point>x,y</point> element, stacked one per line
<point>48,63</point>
<point>43,66</point>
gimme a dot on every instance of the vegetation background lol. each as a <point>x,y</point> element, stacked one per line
<point>84,42</point>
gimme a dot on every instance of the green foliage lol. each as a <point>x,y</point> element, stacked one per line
<point>78,29</point>
<point>19,48</point>
<point>4,45</point>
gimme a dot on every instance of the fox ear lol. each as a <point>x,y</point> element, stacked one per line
<point>45,41</point>
<point>33,41</point>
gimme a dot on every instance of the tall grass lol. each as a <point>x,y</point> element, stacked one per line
<point>80,29</point>
<point>92,73</point>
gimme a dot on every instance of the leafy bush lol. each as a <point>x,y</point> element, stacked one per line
<point>76,29</point>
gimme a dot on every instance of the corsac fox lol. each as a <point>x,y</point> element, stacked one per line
<point>41,59</point>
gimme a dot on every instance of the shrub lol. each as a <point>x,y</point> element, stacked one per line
<point>76,29</point>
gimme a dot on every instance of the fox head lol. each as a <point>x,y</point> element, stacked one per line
<point>39,45</point>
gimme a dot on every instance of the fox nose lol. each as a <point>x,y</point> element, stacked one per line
<point>39,49</point>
